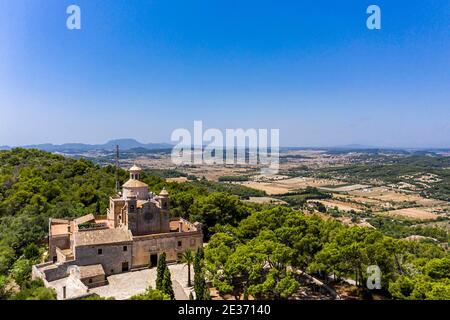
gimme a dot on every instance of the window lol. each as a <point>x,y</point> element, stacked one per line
<point>179,243</point>
<point>153,260</point>
<point>90,280</point>
<point>192,242</point>
<point>125,248</point>
<point>100,251</point>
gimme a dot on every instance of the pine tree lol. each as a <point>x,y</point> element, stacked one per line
<point>201,253</point>
<point>206,295</point>
<point>161,267</point>
<point>198,260</point>
<point>245,294</point>
<point>167,284</point>
<point>197,277</point>
<point>200,289</point>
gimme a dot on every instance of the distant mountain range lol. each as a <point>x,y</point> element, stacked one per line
<point>124,144</point>
<point>132,145</point>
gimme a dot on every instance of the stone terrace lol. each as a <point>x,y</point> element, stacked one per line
<point>124,285</point>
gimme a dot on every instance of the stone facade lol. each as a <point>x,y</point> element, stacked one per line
<point>173,244</point>
<point>112,257</point>
<point>136,229</point>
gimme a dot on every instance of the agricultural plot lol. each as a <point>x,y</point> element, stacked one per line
<point>385,194</point>
<point>411,213</point>
<point>288,185</point>
<point>345,188</point>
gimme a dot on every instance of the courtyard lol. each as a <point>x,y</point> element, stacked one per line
<point>125,285</point>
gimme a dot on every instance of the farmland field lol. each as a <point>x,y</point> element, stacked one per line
<point>412,213</point>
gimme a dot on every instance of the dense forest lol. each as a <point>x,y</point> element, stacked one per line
<point>299,198</point>
<point>36,185</point>
<point>252,248</point>
<point>265,253</point>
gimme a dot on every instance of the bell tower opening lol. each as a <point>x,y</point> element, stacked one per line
<point>135,172</point>
<point>164,199</point>
<point>135,186</point>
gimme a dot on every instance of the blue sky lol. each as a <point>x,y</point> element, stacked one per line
<point>141,69</point>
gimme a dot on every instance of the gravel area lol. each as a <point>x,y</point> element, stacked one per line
<point>124,285</point>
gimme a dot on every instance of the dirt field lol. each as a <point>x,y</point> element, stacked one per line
<point>345,188</point>
<point>288,185</point>
<point>387,194</point>
<point>412,213</point>
<point>179,179</point>
<point>210,172</point>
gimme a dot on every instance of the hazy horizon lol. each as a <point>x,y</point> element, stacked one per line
<point>142,69</point>
<point>348,145</point>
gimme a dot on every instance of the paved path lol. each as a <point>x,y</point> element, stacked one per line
<point>179,292</point>
<point>124,285</point>
<point>320,283</point>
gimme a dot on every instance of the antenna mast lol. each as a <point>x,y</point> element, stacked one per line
<point>117,168</point>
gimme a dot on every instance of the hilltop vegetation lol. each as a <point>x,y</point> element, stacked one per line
<point>36,185</point>
<point>299,199</point>
<point>252,249</point>
<point>263,254</point>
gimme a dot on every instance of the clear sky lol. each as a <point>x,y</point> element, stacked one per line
<point>140,69</point>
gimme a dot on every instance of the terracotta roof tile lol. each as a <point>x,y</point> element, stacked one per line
<point>132,183</point>
<point>103,236</point>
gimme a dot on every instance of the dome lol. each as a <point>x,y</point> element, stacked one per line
<point>135,168</point>
<point>164,192</point>
<point>134,184</point>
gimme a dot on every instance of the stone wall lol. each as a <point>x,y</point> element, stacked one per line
<point>59,241</point>
<point>69,288</point>
<point>172,244</point>
<point>61,256</point>
<point>111,258</point>
<point>140,192</point>
<point>95,281</point>
<point>149,219</point>
<point>114,211</point>
<point>52,271</point>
